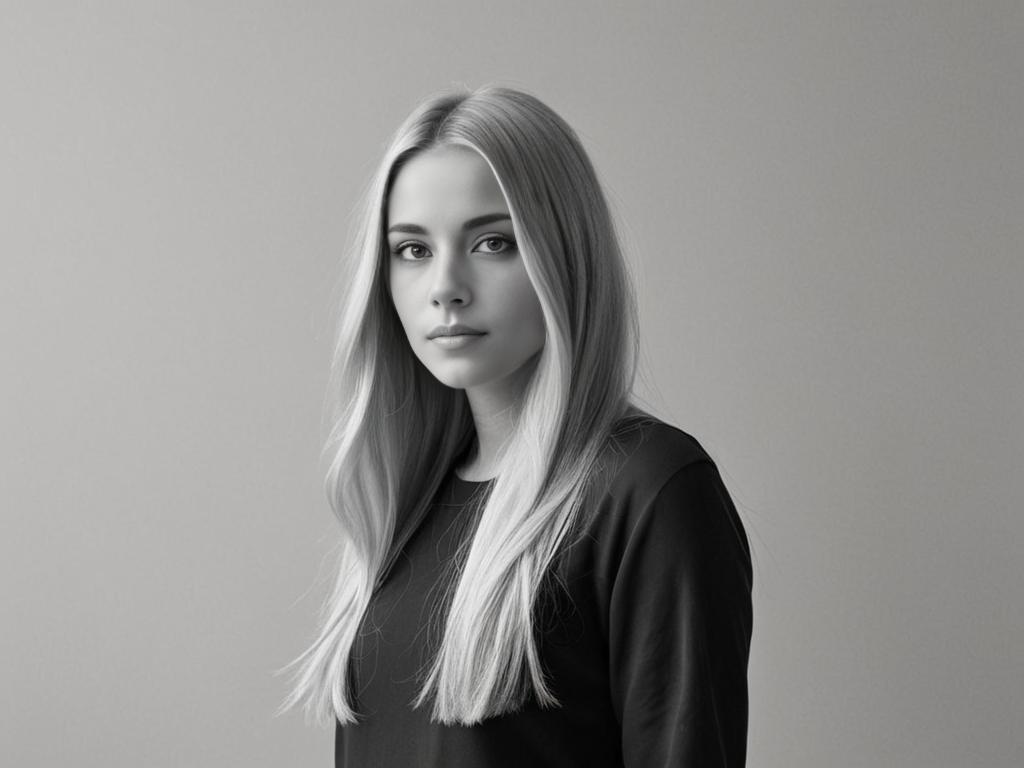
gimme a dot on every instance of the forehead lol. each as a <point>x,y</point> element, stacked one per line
<point>445,183</point>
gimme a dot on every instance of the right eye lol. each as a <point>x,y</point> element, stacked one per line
<point>411,251</point>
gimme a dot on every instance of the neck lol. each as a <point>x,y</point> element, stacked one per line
<point>495,410</point>
<point>493,430</point>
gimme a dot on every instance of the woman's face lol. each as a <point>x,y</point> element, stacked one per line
<point>454,260</point>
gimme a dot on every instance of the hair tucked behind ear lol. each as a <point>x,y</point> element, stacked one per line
<point>395,430</point>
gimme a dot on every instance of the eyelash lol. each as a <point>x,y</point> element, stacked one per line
<point>509,244</point>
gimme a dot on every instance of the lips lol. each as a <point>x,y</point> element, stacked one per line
<point>454,330</point>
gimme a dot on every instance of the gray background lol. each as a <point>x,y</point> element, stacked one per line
<point>822,202</point>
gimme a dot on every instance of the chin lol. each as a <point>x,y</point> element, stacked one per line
<point>457,380</point>
<point>462,374</point>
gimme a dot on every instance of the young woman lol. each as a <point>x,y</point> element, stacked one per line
<point>533,571</point>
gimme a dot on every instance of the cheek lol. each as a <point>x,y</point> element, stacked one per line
<point>399,296</point>
<point>529,315</point>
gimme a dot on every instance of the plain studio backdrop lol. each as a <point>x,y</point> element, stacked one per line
<point>822,202</point>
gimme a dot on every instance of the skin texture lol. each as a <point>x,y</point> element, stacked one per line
<point>442,273</point>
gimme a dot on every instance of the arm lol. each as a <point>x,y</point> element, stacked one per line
<point>680,628</point>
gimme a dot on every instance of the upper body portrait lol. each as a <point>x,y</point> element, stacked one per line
<point>533,570</point>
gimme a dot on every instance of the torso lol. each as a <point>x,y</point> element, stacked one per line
<point>403,623</point>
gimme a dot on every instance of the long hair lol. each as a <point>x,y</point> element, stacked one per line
<point>395,431</point>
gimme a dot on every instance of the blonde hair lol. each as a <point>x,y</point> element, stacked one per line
<point>396,431</point>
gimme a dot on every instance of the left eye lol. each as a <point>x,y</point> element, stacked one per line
<point>495,245</point>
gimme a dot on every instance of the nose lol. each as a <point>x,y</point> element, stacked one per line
<point>449,283</point>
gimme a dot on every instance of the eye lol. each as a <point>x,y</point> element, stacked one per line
<point>411,251</point>
<point>495,244</point>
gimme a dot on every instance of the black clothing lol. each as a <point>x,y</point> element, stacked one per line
<point>646,646</point>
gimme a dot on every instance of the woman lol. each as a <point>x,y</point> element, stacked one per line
<point>533,572</point>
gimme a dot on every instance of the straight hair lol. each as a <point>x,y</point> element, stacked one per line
<point>395,431</point>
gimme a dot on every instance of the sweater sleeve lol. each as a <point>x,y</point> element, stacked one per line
<point>680,622</point>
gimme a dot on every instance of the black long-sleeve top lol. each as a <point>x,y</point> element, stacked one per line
<point>645,644</point>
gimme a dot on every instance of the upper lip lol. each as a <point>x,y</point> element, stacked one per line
<point>452,330</point>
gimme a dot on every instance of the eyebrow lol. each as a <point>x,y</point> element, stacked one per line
<point>477,221</point>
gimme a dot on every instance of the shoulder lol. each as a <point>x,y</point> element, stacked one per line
<point>655,486</point>
<point>642,455</point>
<point>658,508</point>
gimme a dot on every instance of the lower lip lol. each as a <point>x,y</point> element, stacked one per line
<point>456,342</point>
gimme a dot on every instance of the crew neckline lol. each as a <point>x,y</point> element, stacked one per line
<point>461,479</point>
